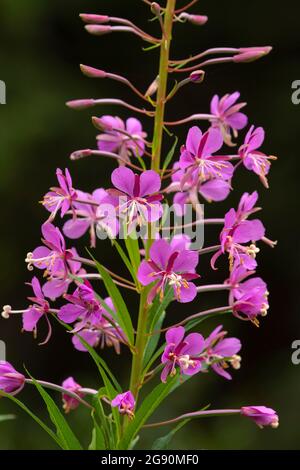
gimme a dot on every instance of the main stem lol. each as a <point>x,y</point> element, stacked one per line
<point>141,338</point>
<point>162,85</point>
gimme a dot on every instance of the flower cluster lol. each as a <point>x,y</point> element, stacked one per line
<point>163,270</point>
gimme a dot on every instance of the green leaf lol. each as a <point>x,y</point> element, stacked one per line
<point>147,408</point>
<point>63,430</point>
<point>6,418</point>
<point>35,418</point>
<point>126,261</point>
<point>162,443</point>
<point>98,440</point>
<point>110,390</point>
<point>170,155</point>
<point>154,339</point>
<point>132,246</point>
<point>149,48</point>
<point>102,430</point>
<point>122,316</point>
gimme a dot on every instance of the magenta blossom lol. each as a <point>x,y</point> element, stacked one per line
<point>261,415</point>
<point>122,138</point>
<point>197,157</point>
<point>170,264</point>
<point>11,381</point>
<point>83,305</point>
<point>58,284</point>
<point>125,402</point>
<point>238,230</point>
<point>252,158</point>
<point>181,352</point>
<point>70,403</point>
<point>215,189</point>
<point>53,256</point>
<point>40,308</point>
<point>219,351</point>
<point>227,115</point>
<point>101,333</point>
<point>94,213</point>
<point>62,197</point>
<point>249,298</point>
<point>137,195</point>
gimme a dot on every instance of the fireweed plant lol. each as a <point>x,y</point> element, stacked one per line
<point>162,267</point>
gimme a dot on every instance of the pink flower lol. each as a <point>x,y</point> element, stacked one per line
<point>125,402</point>
<point>102,332</point>
<point>170,264</point>
<point>261,415</point>
<point>58,284</point>
<point>238,231</point>
<point>70,403</point>
<point>197,160</point>
<point>252,159</point>
<point>122,138</point>
<point>219,351</point>
<point>53,256</point>
<point>40,308</point>
<point>137,195</point>
<point>62,197</point>
<point>248,298</point>
<point>181,352</point>
<point>90,217</point>
<point>11,381</point>
<point>83,305</point>
<point>228,116</point>
<point>215,189</point>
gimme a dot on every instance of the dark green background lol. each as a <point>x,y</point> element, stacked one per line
<point>41,45</point>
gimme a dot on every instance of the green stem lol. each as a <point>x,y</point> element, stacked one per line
<point>162,85</point>
<point>141,338</point>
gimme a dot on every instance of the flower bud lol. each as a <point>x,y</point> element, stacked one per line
<point>98,30</point>
<point>100,124</point>
<point>155,8</point>
<point>152,88</point>
<point>94,19</point>
<point>81,154</point>
<point>249,54</point>
<point>11,381</point>
<point>198,20</point>
<point>261,415</point>
<point>70,403</point>
<point>80,104</point>
<point>197,76</point>
<point>91,72</point>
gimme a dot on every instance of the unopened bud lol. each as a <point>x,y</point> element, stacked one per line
<point>152,88</point>
<point>197,76</point>
<point>155,8</point>
<point>92,72</point>
<point>98,30</point>
<point>198,20</point>
<point>249,54</point>
<point>100,124</point>
<point>94,19</point>
<point>80,104</point>
<point>81,154</point>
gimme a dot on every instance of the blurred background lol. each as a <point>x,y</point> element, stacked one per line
<point>41,45</point>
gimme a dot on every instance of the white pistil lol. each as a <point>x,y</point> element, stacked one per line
<point>185,362</point>
<point>252,250</point>
<point>235,361</point>
<point>6,312</point>
<point>264,310</point>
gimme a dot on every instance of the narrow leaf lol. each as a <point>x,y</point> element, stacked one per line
<point>162,443</point>
<point>170,155</point>
<point>63,429</point>
<point>35,418</point>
